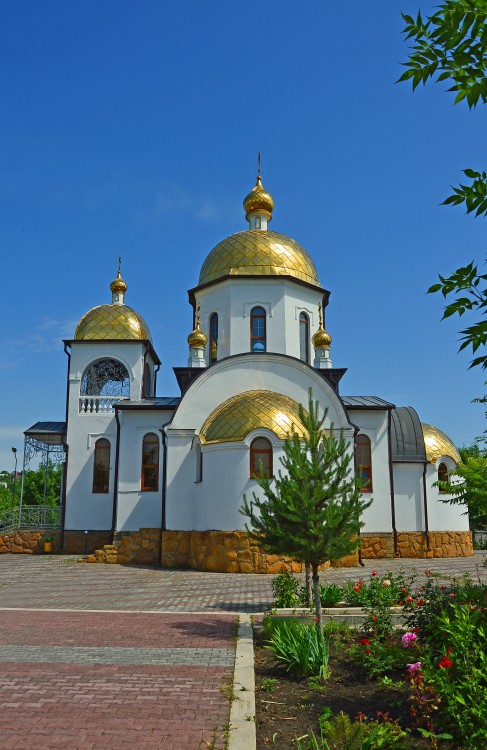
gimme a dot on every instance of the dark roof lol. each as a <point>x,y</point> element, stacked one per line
<point>366,402</point>
<point>51,433</point>
<point>407,435</point>
<point>164,402</point>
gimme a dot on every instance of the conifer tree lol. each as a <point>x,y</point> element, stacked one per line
<point>311,509</point>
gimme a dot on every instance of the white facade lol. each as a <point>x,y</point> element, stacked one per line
<point>194,483</point>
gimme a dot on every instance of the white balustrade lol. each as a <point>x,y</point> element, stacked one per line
<point>98,404</point>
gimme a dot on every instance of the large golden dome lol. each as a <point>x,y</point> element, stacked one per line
<point>258,253</point>
<point>438,444</point>
<point>112,322</point>
<point>239,415</point>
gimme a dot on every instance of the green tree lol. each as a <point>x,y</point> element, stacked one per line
<point>311,510</point>
<point>467,485</point>
<point>452,45</point>
<point>39,489</point>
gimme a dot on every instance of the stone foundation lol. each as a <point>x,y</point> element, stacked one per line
<point>28,542</point>
<point>79,543</point>
<point>140,547</point>
<point>414,544</point>
<point>226,552</point>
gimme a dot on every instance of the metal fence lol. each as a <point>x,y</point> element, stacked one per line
<point>30,517</point>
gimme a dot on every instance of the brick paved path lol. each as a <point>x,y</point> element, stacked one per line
<point>91,681</point>
<point>134,671</point>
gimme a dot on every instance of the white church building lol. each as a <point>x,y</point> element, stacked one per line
<point>153,479</point>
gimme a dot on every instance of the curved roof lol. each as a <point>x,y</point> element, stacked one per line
<point>407,435</point>
<point>239,415</point>
<point>112,322</point>
<point>438,444</point>
<point>258,253</point>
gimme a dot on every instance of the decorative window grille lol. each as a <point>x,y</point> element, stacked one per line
<point>103,383</point>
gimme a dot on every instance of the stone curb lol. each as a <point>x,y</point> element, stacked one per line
<point>242,735</point>
<point>352,615</point>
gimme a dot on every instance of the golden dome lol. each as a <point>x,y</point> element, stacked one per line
<point>257,253</point>
<point>118,285</point>
<point>197,338</point>
<point>259,200</point>
<point>112,322</point>
<point>321,339</point>
<point>438,444</point>
<point>239,415</point>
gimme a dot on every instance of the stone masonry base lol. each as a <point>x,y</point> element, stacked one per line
<point>415,544</point>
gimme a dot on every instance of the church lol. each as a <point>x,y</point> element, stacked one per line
<point>154,479</point>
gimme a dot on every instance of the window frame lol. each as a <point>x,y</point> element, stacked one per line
<point>103,447</point>
<point>146,465</point>
<point>254,316</point>
<point>364,440</point>
<point>261,451</point>
<point>443,465</point>
<point>212,324</point>
<point>304,320</point>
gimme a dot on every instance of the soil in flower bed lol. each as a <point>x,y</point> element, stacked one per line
<point>287,707</point>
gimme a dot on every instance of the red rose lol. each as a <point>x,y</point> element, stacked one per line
<point>374,573</point>
<point>445,662</point>
<point>375,618</point>
<point>364,641</point>
<point>367,651</point>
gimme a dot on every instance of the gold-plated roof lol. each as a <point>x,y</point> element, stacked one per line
<point>118,284</point>
<point>438,444</point>
<point>259,200</point>
<point>321,339</point>
<point>258,253</point>
<point>239,415</point>
<point>112,322</point>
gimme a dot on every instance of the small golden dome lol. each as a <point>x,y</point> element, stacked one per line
<point>256,253</point>
<point>197,338</point>
<point>118,285</point>
<point>239,415</point>
<point>437,444</point>
<point>112,322</point>
<point>321,339</point>
<point>259,200</point>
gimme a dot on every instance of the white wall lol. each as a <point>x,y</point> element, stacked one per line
<point>282,298</point>
<point>408,490</point>
<point>442,516</point>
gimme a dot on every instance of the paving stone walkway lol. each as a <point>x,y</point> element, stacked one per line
<point>98,657</point>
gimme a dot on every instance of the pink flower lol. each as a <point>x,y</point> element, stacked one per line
<point>408,638</point>
<point>386,582</point>
<point>413,668</point>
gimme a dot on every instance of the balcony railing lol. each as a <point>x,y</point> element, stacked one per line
<point>30,517</point>
<point>98,404</point>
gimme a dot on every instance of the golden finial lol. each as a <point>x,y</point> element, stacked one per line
<point>197,338</point>
<point>321,339</point>
<point>118,285</point>
<point>259,199</point>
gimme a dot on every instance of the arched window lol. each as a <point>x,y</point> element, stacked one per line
<point>150,463</point>
<point>147,384</point>
<point>258,330</point>
<point>213,338</point>
<point>101,466</point>
<point>304,337</point>
<point>260,458</point>
<point>364,462</point>
<point>443,475</point>
<point>199,463</point>
<point>102,383</point>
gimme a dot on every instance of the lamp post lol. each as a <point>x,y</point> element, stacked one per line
<point>14,451</point>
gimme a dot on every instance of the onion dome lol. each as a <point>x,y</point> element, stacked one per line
<point>116,321</point>
<point>235,418</point>
<point>259,200</point>
<point>257,253</point>
<point>438,444</point>
<point>197,338</point>
<point>118,285</point>
<point>321,339</point>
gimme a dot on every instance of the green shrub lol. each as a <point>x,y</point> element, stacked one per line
<point>298,645</point>
<point>285,589</point>
<point>331,595</point>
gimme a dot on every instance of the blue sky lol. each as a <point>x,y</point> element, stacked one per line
<point>132,129</point>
